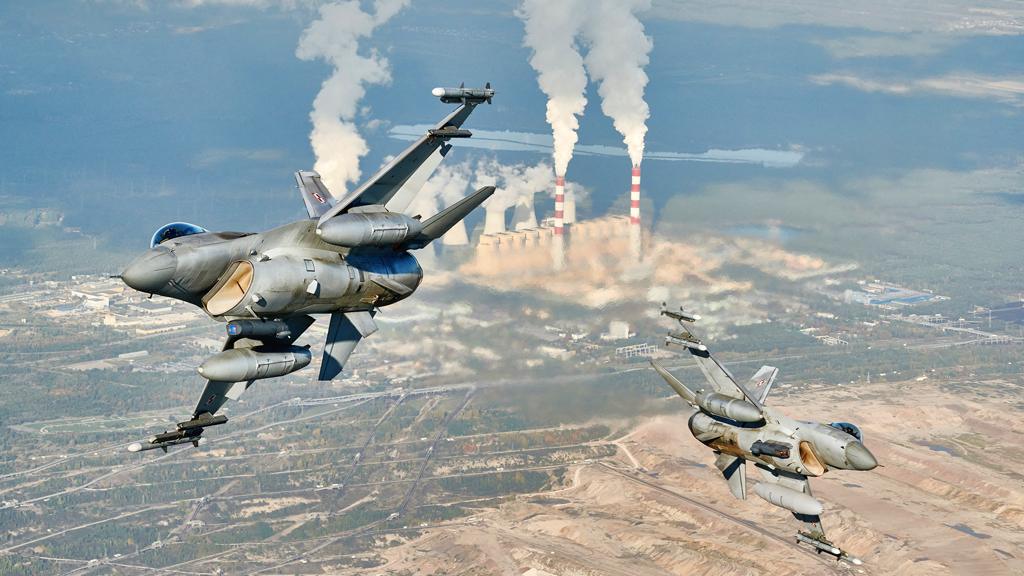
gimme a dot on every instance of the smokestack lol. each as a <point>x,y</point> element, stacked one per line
<point>494,221</point>
<point>635,232</point>
<point>558,246</point>
<point>569,213</point>
<point>634,197</point>
<point>559,205</point>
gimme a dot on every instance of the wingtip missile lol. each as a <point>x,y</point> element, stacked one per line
<point>686,340</point>
<point>196,441</point>
<point>464,95</point>
<point>682,315</point>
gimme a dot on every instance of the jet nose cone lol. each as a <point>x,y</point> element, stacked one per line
<point>151,271</point>
<point>859,457</point>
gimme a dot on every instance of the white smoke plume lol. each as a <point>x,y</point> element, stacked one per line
<point>335,37</point>
<point>513,181</point>
<point>551,30</point>
<point>618,50</point>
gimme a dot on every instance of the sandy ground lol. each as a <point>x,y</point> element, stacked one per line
<point>949,499</point>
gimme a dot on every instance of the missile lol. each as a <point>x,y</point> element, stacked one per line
<point>140,447</point>
<point>167,439</point>
<point>682,315</point>
<point>202,421</point>
<point>464,95</point>
<point>244,364</point>
<point>823,546</point>
<point>449,132</point>
<point>686,339</point>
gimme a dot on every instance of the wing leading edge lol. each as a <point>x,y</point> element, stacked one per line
<point>382,189</point>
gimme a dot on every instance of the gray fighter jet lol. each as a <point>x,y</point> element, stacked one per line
<point>349,258</point>
<point>733,421</point>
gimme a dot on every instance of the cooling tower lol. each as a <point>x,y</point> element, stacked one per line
<point>523,216</point>
<point>494,221</point>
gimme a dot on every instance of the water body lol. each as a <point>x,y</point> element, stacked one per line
<point>940,448</point>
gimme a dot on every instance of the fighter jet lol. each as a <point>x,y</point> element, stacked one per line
<point>733,421</point>
<point>349,258</point>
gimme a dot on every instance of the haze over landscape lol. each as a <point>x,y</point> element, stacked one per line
<point>838,190</point>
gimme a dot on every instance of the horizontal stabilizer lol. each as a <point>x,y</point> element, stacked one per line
<point>680,388</point>
<point>735,471</point>
<point>437,225</point>
<point>345,331</point>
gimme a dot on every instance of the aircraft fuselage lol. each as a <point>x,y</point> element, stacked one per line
<point>281,272</point>
<point>808,448</point>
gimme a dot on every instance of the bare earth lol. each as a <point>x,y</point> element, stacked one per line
<point>949,499</point>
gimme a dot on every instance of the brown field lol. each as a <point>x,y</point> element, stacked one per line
<point>948,499</point>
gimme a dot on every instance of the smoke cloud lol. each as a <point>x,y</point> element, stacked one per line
<point>618,51</point>
<point>551,30</point>
<point>513,181</point>
<point>335,37</point>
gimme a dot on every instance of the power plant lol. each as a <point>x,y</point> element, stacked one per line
<point>559,243</point>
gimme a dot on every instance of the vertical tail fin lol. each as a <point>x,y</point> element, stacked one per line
<point>761,382</point>
<point>315,195</point>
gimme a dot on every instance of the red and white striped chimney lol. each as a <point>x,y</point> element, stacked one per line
<point>559,205</point>
<point>634,197</point>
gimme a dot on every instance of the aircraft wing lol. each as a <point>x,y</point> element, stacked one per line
<point>382,187</point>
<point>721,379</point>
<point>216,393</point>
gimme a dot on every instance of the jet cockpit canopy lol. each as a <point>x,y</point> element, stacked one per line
<point>174,230</point>
<point>849,428</point>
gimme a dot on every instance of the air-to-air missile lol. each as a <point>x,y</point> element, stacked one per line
<point>350,257</point>
<point>189,432</point>
<point>464,95</point>
<point>733,421</point>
